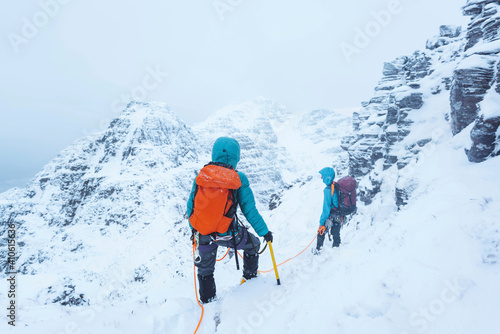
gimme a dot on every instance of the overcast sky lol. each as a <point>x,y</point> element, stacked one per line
<point>67,66</point>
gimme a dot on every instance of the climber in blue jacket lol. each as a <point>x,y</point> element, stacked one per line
<point>226,153</point>
<point>330,220</point>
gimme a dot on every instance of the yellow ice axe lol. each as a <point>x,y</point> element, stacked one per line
<point>274,262</point>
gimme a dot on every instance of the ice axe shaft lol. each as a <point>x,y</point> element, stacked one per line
<point>274,262</point>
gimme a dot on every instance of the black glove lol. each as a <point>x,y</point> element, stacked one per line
<point>269,236</point>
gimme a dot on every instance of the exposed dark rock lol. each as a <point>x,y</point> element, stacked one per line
<point>497,86</point>
<point>389,161</point>
<point>491,25</point>
<point>436,90</point>
<point>474,30</point>
<point>275,201</point>
<point>450,31</point>
<point>423,142</point>
<point>384,88</point>
<point>70,298</point>
<point>401,197</point>
<point>412,101</point>
<point>446,35</point>
<point>435,43</point>
<point>417,66</point>
<point>390,69</point>
<point>485,139</point>
<point>392,114</point>
<point>447,83</point>
<point>141,274</point>
<point>469,87</point>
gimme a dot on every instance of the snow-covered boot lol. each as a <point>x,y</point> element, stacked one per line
<point>250,265</point>
<point>207,288</point>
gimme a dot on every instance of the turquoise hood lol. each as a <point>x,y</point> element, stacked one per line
<point>328,175</point>
<point>226,150</point>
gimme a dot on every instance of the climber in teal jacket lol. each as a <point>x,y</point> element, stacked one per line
<point>329,220</point>
<point>226,151</point>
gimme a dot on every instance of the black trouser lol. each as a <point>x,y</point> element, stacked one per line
<point>333,224</point>
<point>207,256</point>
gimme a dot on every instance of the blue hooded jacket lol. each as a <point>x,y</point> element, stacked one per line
<point>227,150</point>
<point>328,174</point>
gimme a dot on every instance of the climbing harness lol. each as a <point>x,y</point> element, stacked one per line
<point>251,241</point>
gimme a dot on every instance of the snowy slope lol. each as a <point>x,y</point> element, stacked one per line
<point>430,268</point>
<point>102,226</point>
<point>105,247</point>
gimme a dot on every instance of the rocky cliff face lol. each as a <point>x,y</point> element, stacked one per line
<point>389,132</point>
<point>385,120</point>
<point>476,82</point>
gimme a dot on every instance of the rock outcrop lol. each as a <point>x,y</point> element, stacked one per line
<point>476,81</point>
<point>386,120</point>
<point>462,67</point>
<point>381,139</point>
<point>471,81</point>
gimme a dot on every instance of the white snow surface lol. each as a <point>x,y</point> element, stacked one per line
<point>489,106</point>
<point>432,267</point>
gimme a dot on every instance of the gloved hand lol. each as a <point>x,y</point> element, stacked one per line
<point>322,230</point>
<point>269,236</point>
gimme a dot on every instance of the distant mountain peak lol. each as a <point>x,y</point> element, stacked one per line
<point>259,107</point>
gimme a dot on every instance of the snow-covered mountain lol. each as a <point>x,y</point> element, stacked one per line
<point>104,223</point>
<point>106,197</point>
<point>104,245</point>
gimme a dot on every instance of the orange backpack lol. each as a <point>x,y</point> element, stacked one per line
<point>214,202</point>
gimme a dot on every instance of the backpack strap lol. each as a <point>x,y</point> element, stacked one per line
<point>335,189</point>
<point>350,198</point>
<point>231,212</point>
<point>335,210</point>
<point>220,164</point>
